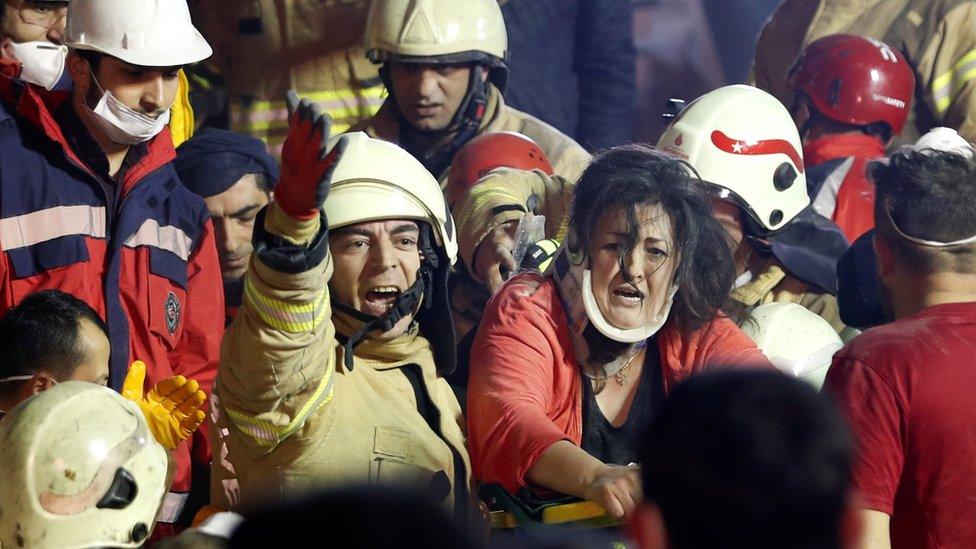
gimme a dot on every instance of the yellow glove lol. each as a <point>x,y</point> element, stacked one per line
<point>172,406</point>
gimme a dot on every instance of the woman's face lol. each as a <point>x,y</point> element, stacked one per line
<point>651,265</point>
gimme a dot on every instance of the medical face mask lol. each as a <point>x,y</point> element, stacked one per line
<point>122,124</point>
<point>42,62</point>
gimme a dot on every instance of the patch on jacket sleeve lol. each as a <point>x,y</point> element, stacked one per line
<point>173,312</point>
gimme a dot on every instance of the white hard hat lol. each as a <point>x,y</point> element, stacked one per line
<point>148,33</point>
<point>378,180</point>
<point>743,141</point>
<point>795,340</point>
<point>80,469</point>
<point>451,29</point>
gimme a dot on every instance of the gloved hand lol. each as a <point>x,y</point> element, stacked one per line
<point>172,406</point>
<point>306,169</point>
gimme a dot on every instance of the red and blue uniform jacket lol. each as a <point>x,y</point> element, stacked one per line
<point>140,251</point>
<point>837,181</point>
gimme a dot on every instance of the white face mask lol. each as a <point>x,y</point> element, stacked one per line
<point>121,123</point>
<point>42,62</point>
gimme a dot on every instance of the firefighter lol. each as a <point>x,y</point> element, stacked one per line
<point>473,161</point>
<point>331,372</point>
<point>93,207</point>
<point>443,63</point>
<point>937,37</point>
<point>851,96</point>
<point>747,151</point>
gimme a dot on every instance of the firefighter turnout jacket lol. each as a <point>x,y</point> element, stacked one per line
<point>290,418</point>
<point>264,48</point>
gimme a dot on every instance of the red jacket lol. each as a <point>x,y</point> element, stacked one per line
<point>524,390</point>
<point>837,182</point>
<point>141,252</point>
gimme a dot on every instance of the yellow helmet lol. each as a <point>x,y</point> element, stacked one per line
<point>80,469</point>
<point>438,31</point>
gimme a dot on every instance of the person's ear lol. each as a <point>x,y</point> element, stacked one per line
<point>647,527</point>
<point>80,71</point>
<point>42,381</point>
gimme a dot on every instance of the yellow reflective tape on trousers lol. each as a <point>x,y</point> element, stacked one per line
<point>950,82</point>
<point>266,433</point>
<point>282,315</point>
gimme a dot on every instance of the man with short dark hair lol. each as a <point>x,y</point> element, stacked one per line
<point>236,176</point>
<point>907,386</point>
<point>745,459</point>
<point>443,64</point>
<point>48,338</point>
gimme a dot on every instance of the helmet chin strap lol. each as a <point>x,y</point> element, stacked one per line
<point>408,303</point>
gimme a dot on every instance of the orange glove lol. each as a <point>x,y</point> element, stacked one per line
<point>172,406</point>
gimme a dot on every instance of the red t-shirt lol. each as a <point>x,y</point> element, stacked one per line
<point>909,391</point>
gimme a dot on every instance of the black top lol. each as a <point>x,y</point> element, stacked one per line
<point>621,445</point>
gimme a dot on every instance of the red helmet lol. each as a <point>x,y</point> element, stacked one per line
<point>855,80</point>
<point>494,150</point>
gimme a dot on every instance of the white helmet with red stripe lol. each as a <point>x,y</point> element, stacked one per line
<point>744,144</point>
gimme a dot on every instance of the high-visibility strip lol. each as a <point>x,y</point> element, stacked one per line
<point>825,203</point>
<point>35,227</point>
<point>493,198</point>
<point>172,506</point>
<point>165,237</point>
<point>262,115</point>
<point>951,82</point>
<point>266,433</point>
<point>281,315</point>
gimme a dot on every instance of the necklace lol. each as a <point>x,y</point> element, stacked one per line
<point>622,376</point>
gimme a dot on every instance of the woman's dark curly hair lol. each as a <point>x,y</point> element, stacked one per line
<point>626,176</point>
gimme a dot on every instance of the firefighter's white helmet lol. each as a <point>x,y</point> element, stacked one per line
<point>744,145</point>
<point>80,468</point>
<point>148,33</point>
<point>378,180</point>
<point>795,340</point>
<point>450,29</point>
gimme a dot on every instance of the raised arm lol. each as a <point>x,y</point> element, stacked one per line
<point>278,357</point>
